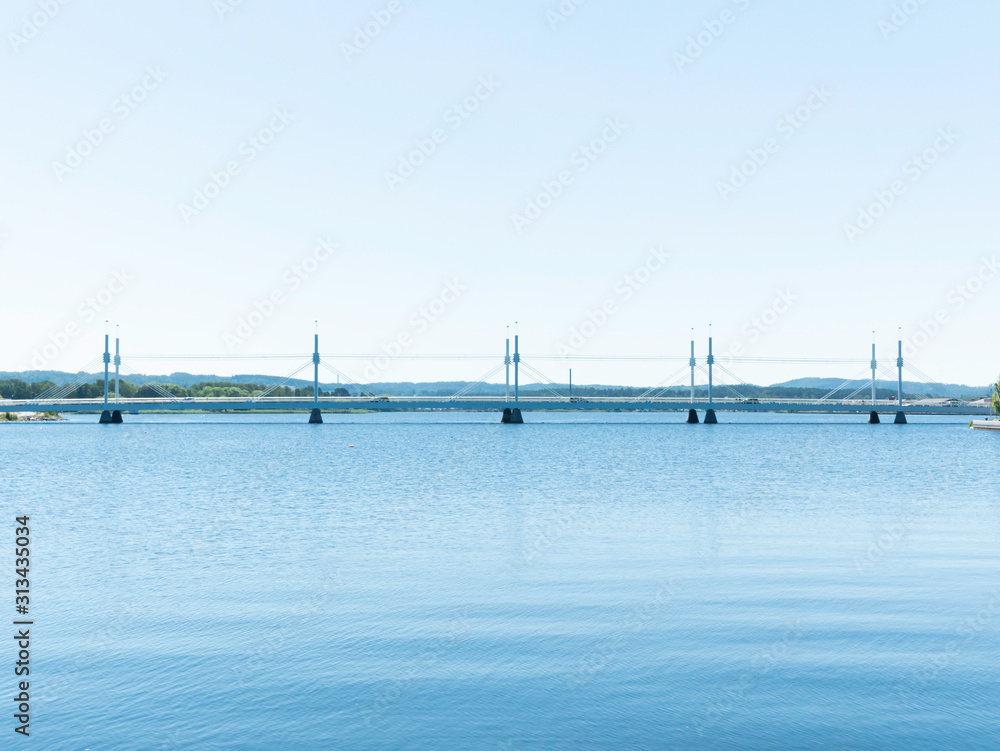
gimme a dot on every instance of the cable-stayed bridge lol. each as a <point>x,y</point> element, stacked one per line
<point>726,391</point>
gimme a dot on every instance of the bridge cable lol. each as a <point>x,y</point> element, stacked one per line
<point>722,383</point>
<point>753,387</point>
<point>845,384</point>
<point>282,382</point>
<point>147,381</point>
<point>341,374</point>
<point>58,392</point>
<point>921,376</point>
<point>646,394</point>
<point>554,387</point>
<point>482,379</point>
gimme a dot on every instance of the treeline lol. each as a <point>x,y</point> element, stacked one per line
<point>17,389</point>
<point>722,392</point>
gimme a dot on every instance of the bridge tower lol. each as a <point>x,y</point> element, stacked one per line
<point>118,364</point>
<point>116,414</point>
<point>900,415</point>
<point>873,415</point>
<point>316,417</point>
<point>710,418</point>
<point>111,416</point>
<point>506,362</point>
<point>512,415</point>
<point>517,362</point>
<point>106,413</point>
<point>692,412</point>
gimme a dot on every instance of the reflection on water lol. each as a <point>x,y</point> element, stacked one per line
<point>444,582</point>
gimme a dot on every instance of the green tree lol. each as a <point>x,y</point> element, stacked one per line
<point>996,398</point>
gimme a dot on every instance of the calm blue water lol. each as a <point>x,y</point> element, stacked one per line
<point>445,582</point>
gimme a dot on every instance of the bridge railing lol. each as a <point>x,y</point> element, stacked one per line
<point>499,400</point>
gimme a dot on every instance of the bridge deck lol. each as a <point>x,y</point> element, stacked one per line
<point>481,404</point>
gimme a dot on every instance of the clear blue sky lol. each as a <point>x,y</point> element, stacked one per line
<point>351,115</point>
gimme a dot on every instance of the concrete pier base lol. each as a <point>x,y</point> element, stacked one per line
<point>710,418</point>
<point>105,417</point>
<point>116,417</point>
<point>315,417</point>
<point>900,418</point>
<point>873,419</point>
<point>512,416</point>
<point>693,417</point>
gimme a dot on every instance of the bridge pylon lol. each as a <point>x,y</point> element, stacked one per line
<point>710,418</point>
<point>107,416</point>
<point>512,415</point>
<point>315,415</point>
<point>901,415</point>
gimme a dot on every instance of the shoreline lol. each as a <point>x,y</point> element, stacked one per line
<point>31,417</point>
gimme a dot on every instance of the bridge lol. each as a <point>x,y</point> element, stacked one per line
<point>512,405</point>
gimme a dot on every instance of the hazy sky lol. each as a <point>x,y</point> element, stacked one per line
<point>433,170</point>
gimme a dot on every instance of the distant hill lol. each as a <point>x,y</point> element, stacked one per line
<point>953,390</point>
<point>60,378</point>
<point>798,388</point>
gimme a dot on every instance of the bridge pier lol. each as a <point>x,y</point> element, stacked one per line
<point>116,417</point>
<point>693,417</point>
<point>900,418</point>
<point>873,418</point>
<point>710,418</point>
<point>315,417</point>
<point>105,417</point>
<point>511,416</point>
